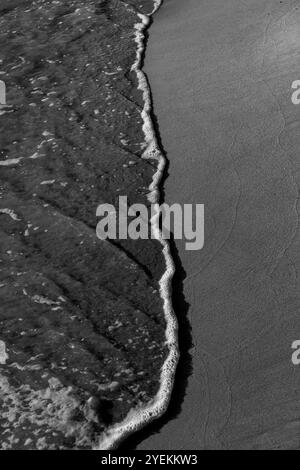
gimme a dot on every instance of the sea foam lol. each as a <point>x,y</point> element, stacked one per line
<point>139,417</point>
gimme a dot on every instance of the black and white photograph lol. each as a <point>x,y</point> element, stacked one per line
<point>149,228</point>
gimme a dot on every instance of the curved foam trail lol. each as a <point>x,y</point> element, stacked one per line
<point>139,417</point>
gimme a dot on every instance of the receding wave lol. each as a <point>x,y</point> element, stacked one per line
<point>139,417</point>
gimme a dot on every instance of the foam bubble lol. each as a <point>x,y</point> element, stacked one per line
<point>3,353</point>
<point>138,418</point>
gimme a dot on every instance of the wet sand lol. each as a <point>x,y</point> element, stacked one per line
<point>221,74</point>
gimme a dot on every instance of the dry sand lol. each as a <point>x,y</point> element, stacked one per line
<point>221,74</point>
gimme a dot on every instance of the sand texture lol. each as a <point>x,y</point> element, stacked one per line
<point>221,74</point>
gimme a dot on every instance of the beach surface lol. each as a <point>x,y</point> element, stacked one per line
<point>221,75</point>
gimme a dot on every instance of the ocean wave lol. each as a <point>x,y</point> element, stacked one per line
<point>140,417</point>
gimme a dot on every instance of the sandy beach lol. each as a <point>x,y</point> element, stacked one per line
<point>221,75</point>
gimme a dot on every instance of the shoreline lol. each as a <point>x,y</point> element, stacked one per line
<point>141,417</point>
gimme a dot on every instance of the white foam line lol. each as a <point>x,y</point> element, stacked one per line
<point>139,417</point>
